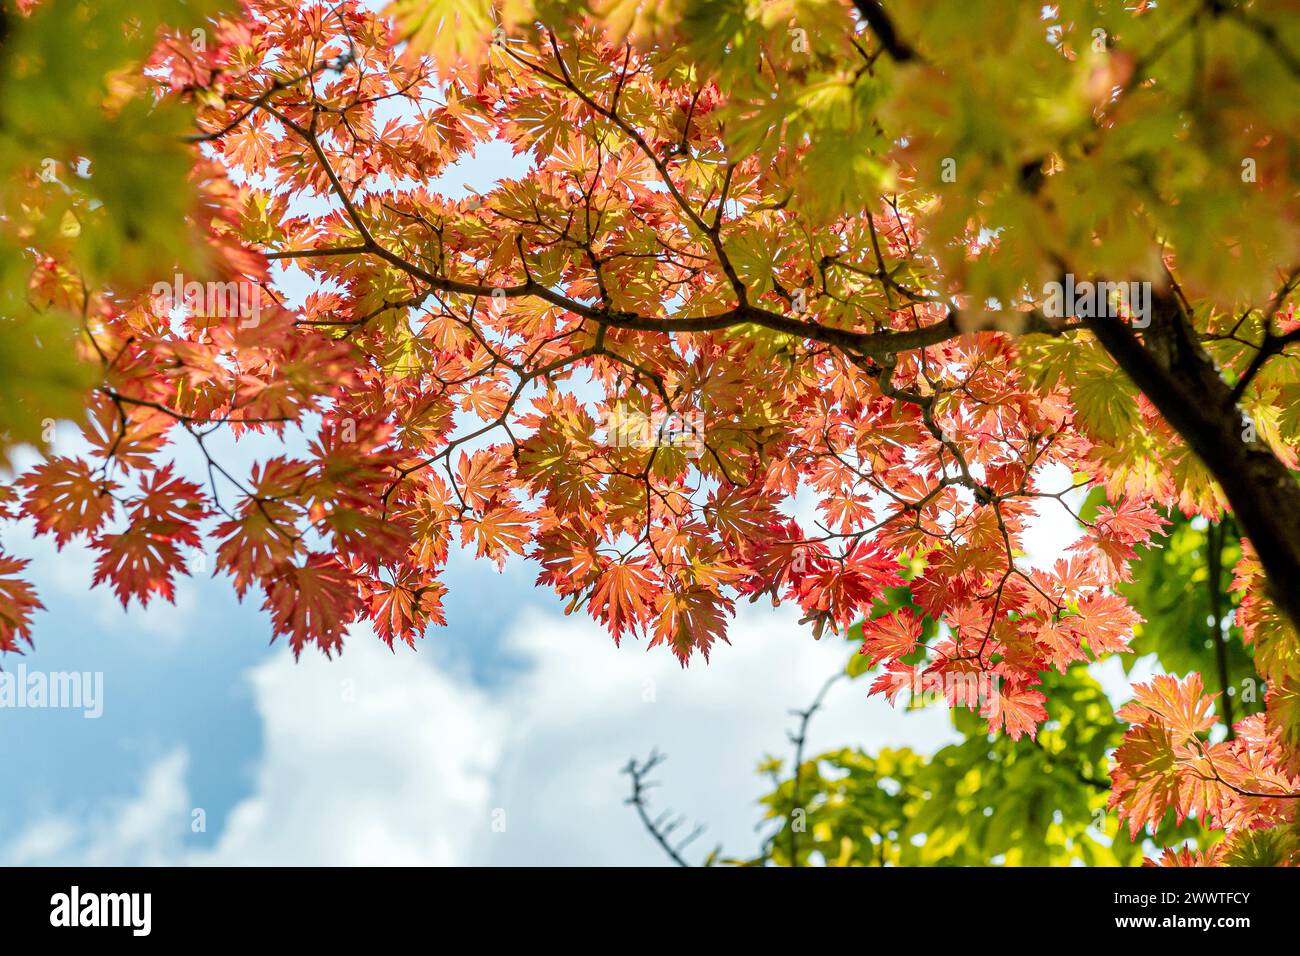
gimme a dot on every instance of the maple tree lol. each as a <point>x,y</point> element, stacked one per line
<point>1043,800</point>
<point>790,242</point>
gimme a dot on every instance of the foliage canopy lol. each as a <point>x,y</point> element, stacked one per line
<point>761,250</point>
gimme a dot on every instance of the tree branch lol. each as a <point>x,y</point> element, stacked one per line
<point>799,739</point>
<point>1174,372</point>
<point>660,828</point>
<point>883,27</point>
<point>1214,536</point>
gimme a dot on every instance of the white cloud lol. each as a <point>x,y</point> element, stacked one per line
<point>582,711</point>
<point>372,758</point>
<point>382,758</point>
<point>141,831</point>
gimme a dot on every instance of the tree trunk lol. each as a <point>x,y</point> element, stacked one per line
<point>1176,374</point>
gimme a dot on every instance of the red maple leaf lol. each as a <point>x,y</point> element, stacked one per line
<point>17,602</point>
<point>1016,709</point>
<point>891,636</point>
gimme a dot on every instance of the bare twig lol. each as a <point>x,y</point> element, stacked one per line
<point>663,826</point>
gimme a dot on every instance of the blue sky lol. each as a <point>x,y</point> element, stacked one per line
<point>498,740</point>
<point>405,756</point>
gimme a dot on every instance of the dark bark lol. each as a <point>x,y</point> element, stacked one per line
<point>1171,368</point>
<point>883,27</point>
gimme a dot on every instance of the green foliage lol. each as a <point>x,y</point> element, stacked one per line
<point>96,178</point>
<point>987,800</point>
<point>1170,588</point>
<point>1165,126</point>
<point>1276,847</point>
